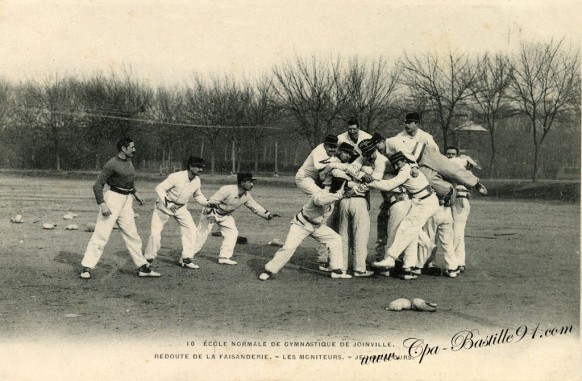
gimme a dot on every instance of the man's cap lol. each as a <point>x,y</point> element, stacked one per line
<point>331,140</point>
<point>240,177</point>
<point>336,184</point>
<point>367,147</point>
<point>347,147</point>
<point>194,161</point>
<point>353,121</point>
<point>397,157</point>
<point>412,117</point>
<point>377,138</point>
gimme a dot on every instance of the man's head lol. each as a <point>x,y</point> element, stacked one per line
<point>330,144</point>
<point>368,149</point>
<point>195,165</point>
<point>353,128</point>
<point>411,123</point>
<point>398,160</point>
<point>380,142</point>
<point>451,152</point>
<point>245,181</point>
<point>346,152</point>
<point>126,147</point>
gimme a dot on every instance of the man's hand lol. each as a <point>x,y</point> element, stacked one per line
<point>173,208</point>
<point>367,178</point>
<point>414,171</point>
<point>138,198</point>
<point>270,216</point>
<point>105,210</point>
<point>212,205</point>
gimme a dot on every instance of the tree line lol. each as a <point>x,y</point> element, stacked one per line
<point>270,122</point>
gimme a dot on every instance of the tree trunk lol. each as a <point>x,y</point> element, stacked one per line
<point>276,158</point>
<point>535,164</point>
<point>233,158</point>
<point>257,157</point>
<point>492,163</point>
<point>212,164</point>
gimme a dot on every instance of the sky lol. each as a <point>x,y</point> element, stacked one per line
<point>165,42</point>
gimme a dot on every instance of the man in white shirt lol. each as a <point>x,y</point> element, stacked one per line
<point>353,135</point>
<point>419,146</point>
<point>424,204</point>
<point>310,221</point>
<point>173,196</point>
<point>307,177</point>
<point>461,207</point>
<point>221,205</point>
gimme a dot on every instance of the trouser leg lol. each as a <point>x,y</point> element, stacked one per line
<point>187,232</point>
<point>294,238</point>
<point>154,244</point>
<point>229,234</point>
<point>126,222</point>
<point>461,210</point>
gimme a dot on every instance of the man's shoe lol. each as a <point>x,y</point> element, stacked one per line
<point>324,267</point>
<point>146,271</point>
<point>339,274</point>
<point>86,273</point>
<point>461,269</point>
<point>415,270</point>
<point>452,273</point>
<point>385,273</point>
<point>187,262</point>
<point>387,262</point>
<point>150,260</point>
<point>266,275</point>
<point>363,273</point>
<point>226,261</point>
<point>407,275</point>
<point>481,189</point>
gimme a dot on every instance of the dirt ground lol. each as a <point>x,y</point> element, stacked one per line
<point>523,266</point>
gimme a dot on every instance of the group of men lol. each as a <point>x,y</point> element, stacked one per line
<point>425,206</point>
<point>425,203</point>
<point>116,207</point>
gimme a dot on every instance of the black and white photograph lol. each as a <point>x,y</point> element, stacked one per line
<point>290,190</point>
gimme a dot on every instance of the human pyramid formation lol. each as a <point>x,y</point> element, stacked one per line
<point>423,192</point>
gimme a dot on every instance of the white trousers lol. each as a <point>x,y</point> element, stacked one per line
<point>354,229</point>
<point>461,209</point>
<point>297,233</point>
<point>121,208</point>
<point>187,231</point>
<point>307,185</point>
<point>411,226</point>
<point>439,229</point>
<point>226,226</point>
<point>397,213</point>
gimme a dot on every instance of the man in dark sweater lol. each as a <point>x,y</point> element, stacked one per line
<point>116,206</point>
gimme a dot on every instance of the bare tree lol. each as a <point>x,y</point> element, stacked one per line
<point>545,85</point>
<point>490,102</point>
<point>215,105</point>
<point>370,87</point>
<point>52,108</point>
<point>312,92</point>
<point>446,83</point>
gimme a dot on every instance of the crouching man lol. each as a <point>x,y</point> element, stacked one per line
<point>310,222</point>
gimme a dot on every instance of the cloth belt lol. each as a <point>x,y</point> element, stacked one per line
<point>423,193</point>
<point>221,212</point>
<point>175,203</point>
<point>122,191</point>
<point>302,218</point>
<point>446,202</point>
<point>395,198</point>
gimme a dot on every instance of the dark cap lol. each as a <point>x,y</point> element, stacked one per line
<point>331,140</point>
<point>376,138</point>
<point>337,183</point>
<point>397,157</point>
<point>347,147</point>
<point>412,117</point>
<point>240,177</point>
<point>194,161</point>
<point>367,147</point>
